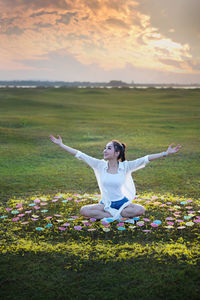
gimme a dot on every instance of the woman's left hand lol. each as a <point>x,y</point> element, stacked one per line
<point>171,150</point>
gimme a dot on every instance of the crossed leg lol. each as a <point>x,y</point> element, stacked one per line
<point>133,210</point>
<point>94,211</point>
<point>97,211</point>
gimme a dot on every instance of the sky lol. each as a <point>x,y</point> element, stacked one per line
<point>145,41</point>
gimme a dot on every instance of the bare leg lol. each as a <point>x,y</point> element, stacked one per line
<point>94,211</point>
<point>132,210</point>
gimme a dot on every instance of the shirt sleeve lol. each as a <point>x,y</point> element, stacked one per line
<point>91,161</point>
<point>134,165</point>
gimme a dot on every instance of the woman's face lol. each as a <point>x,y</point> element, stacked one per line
<point>109,151</point>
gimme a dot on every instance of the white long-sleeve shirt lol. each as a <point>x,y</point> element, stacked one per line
<point>127,186</point>
<point>113,183</point>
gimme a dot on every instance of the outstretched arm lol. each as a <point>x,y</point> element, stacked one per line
<point>91,161</point>
<point>170,150</point>
<point>60,143</point>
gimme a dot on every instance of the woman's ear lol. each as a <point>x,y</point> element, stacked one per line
<point>117,153</point>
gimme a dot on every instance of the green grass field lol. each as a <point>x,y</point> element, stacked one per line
<point>41,258</point>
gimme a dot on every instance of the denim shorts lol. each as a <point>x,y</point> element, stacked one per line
<point>117,204</point>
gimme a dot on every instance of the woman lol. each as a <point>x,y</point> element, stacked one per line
<point>114,178</point>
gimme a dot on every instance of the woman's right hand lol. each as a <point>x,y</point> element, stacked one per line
<point>56,141</point>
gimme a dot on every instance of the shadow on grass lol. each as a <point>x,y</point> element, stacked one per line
<point>57,276</point>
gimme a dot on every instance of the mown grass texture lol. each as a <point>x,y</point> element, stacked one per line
<point>67,257</point>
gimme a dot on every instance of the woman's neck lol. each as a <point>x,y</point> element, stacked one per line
<point>113,164</point>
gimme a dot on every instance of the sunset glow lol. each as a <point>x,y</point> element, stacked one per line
<point>46,39</point>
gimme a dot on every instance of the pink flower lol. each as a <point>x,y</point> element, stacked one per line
<point>77,227</point>
<point>196,220</point>
<point>37,207</point>
<point>154,225</point>
<point>15,219</point>
<point>19,205</point>
<point>120,224</point>
<point>140,224</point>
<point>66,224</point>
<point>8,209</point>
<point>37,200</point>
<point>62,228</point>
<point>170,223</point>
<point>104,223</point>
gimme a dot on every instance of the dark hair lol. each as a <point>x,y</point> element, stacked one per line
<point>121,147</point>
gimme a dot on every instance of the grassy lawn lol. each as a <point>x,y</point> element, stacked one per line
<point>48,251</point>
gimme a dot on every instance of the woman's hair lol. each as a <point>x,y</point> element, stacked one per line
<point>121,147</point>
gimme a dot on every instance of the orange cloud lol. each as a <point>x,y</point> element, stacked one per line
<point>107,33</point>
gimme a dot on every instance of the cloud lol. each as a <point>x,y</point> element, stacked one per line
<point>60,65</point>
<point>117,23</point>
<point>41,13</point>
<point>85,18</point>
<point>192,65</point>
<point>8,27</point>
<point>178,20</point>
<point>42,25</point>
<point>35,4</point>
<point>121,5</point>
<point>93,4</point>
<point>107,35</point>
<point>171,62</point>
<point>185,64</point>
<point>65,18</point>
<point>14,30</point>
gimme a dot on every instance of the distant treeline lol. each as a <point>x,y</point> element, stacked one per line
<point>112,83</point>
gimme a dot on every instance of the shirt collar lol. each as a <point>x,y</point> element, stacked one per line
<point>121,165</point>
